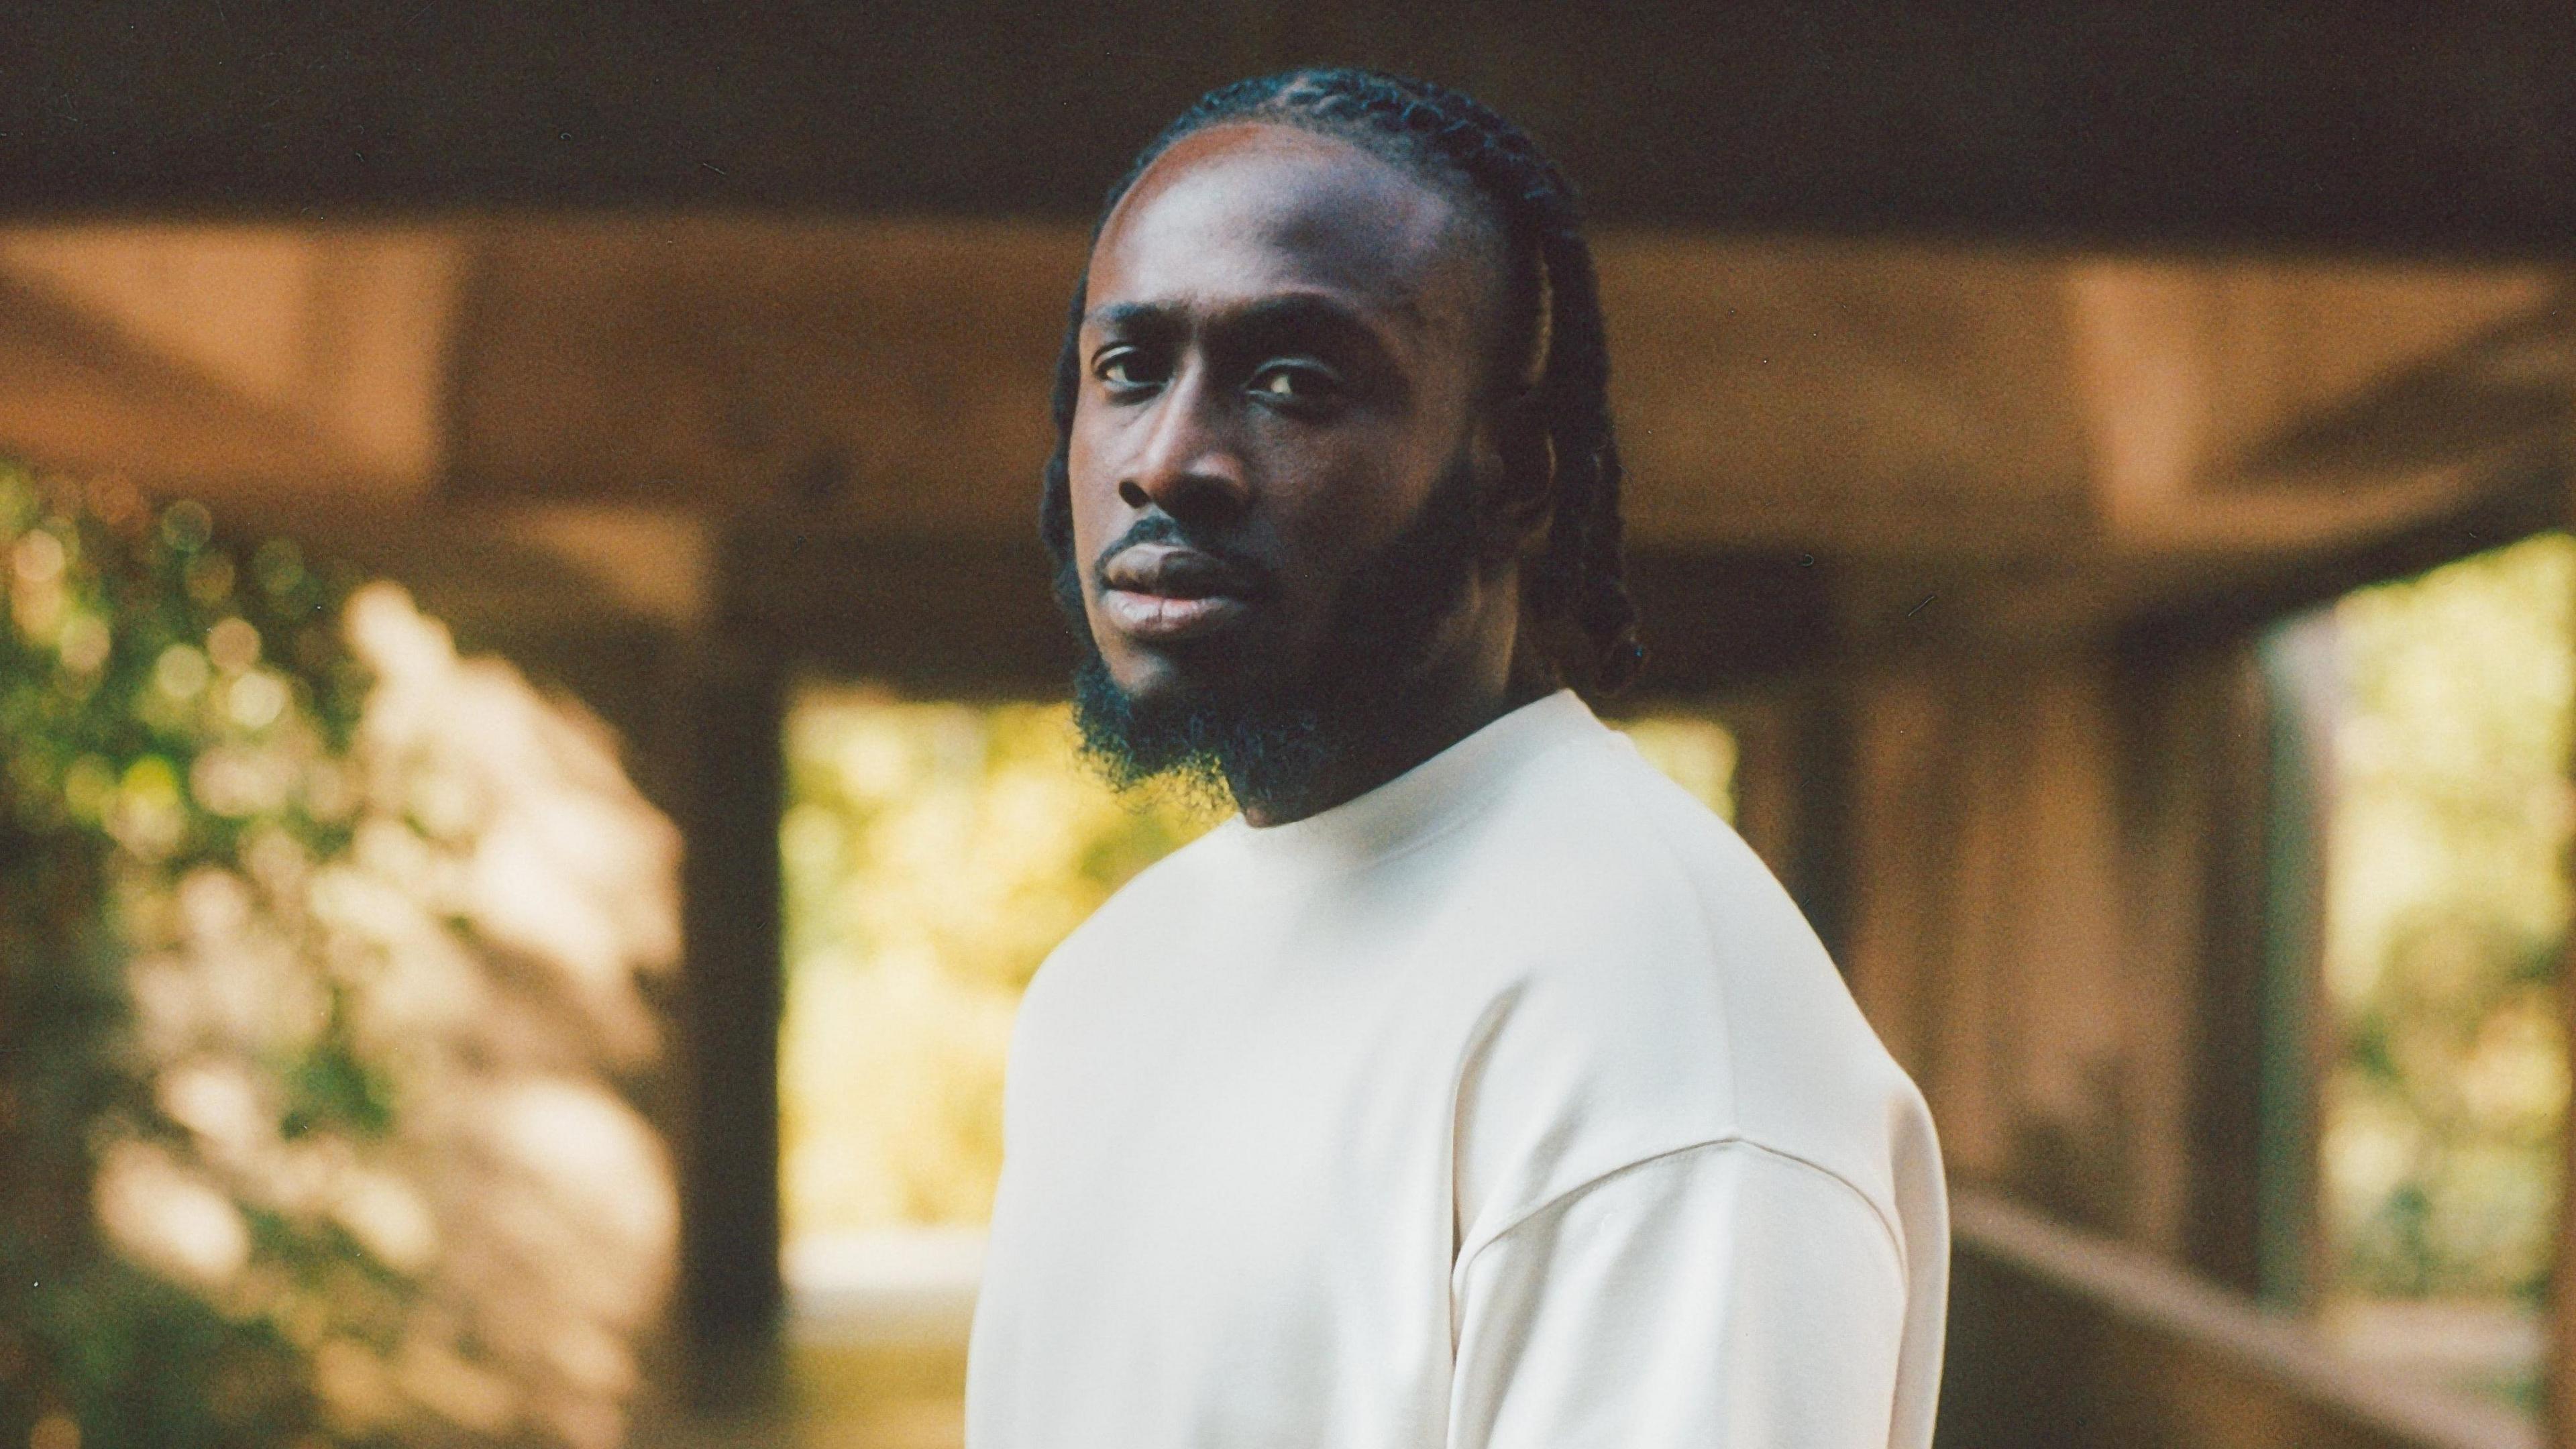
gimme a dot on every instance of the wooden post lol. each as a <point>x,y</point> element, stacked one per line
<point>1792,779</point>
<point>2226,748</point>
<point>2297,665</point>
<point>731,995</point>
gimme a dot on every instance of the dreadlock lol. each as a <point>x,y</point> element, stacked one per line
<point>1577,578</point>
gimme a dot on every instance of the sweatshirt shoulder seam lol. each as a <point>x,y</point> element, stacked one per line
<point>1877,1213</point>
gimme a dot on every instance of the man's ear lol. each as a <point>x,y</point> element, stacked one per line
<point>1520,494</point>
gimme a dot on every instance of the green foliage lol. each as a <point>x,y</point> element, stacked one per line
<point>2447,910</point>
<point>167,702</point>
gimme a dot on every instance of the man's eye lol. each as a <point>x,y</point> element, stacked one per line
<point>1125,367</point>
<point>1293,384</point>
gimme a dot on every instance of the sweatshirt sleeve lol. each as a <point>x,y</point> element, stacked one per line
<point>1723,1296</point>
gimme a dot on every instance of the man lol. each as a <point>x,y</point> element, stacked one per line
<point>1476,1087</point>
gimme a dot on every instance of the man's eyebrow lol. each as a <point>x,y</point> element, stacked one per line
<point>1294,314</point>
<point>1133,316</point>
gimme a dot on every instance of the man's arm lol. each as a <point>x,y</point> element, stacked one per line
<point>1723,1297</point>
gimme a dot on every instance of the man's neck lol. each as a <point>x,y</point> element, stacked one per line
<point>1482,666</point>
<point>1407,738</point>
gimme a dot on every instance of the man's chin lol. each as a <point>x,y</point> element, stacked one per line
<point>1214,733</point>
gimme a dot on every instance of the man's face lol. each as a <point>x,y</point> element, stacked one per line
<point>1280,369</point>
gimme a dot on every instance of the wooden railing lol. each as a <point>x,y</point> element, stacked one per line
<point>2063,1339</point>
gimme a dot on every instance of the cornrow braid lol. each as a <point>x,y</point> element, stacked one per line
<point>1578,578</point>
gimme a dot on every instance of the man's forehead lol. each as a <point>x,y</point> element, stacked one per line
<point>1242,210</point>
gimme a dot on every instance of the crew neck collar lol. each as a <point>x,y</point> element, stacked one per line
<point>1423,801</point>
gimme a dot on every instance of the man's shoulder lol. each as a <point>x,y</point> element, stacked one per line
<point>1663,991</point>
<point>1593,834</point>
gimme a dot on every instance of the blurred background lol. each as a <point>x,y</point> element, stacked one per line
<point>534,764</point>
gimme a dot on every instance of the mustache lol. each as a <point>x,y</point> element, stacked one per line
<point>1162,528</point>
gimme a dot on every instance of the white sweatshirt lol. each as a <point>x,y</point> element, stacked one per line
<point>1509,1106</point>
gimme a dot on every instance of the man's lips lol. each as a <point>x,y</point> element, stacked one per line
<point>1160,592</point>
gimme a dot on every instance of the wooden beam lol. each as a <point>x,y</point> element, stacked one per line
<point>893,375</point>
<point>2261,408</point>
<point>1861,398</point>
<point>2523,501</point>
<point>885,374</point>
<point>2166,123</point>
<point>1876,402</point>
<point>262,359</point>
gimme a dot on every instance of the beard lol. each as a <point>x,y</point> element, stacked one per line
<point>1278,737</point>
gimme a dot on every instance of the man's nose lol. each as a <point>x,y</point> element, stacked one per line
<point>1191,465</point>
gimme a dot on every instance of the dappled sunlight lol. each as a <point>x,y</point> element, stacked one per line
<point>373,928</point>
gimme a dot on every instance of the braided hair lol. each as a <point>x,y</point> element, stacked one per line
<point>1456,142</point>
